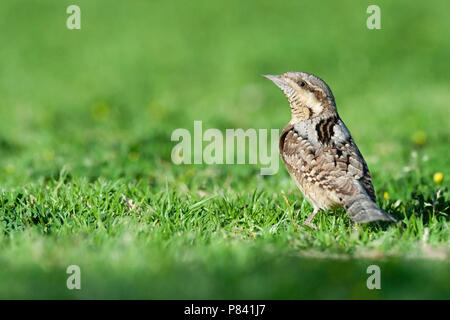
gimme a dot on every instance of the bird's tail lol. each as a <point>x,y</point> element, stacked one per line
<point>361,208</point>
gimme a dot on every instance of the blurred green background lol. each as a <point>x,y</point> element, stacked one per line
<point>86,116</point>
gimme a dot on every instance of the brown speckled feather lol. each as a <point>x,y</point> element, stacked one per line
<point>320,154</point>
<point>336,167</point>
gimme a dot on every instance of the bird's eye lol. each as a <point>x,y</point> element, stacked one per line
<point>302,83</point>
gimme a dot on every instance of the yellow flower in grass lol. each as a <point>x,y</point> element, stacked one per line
<point>438,178</point>
<point>386,195</point>
<point>100,111</point>
<point>49,155</point>
<point>10,169</point>
<point>419,138</point>
<point>133,156</point>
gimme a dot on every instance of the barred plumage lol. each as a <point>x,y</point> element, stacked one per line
<point>320,154</point>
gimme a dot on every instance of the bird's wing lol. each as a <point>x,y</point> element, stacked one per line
<point>336,165</point>
<point>350,162</point>
<point>347,152</point>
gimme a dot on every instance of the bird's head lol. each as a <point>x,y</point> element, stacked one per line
<point>308,95</point>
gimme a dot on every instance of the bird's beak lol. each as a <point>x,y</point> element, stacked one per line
<point>279,80</point>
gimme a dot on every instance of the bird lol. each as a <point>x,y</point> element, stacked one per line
<point>320,154</point>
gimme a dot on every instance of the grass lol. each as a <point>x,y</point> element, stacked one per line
<point>86,176</point>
